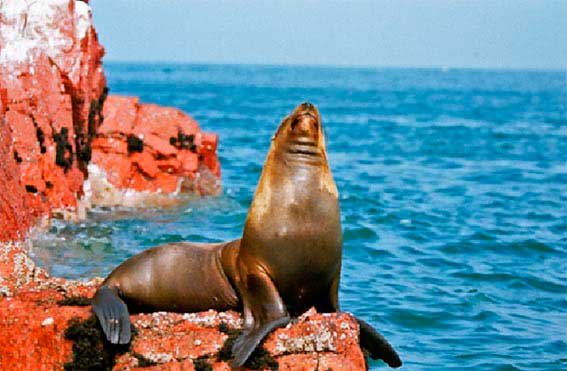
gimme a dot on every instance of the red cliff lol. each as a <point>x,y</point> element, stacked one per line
<point>54,102</point>
<point>54,82</point>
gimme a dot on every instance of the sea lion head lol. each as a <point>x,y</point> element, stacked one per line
<point>300,138</point>
<point>296,170</point>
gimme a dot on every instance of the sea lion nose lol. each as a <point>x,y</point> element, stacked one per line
<point>305,125</point>
<point>305,121</point>
<point>307,106</point>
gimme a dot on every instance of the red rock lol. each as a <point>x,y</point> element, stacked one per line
<point>14,212</point>
<point>166,183</point>
<point>186,365</point>
<point>119,170</point>
<point>189,161</point>
<point>110,145</point>
<point>212,162</point>
<point>207,149</point>
<point>209,142</point>
<point>140,182</point>
<point>120,115</point>
<point>147,164</point>
<point>169,165</point>
<point>162,162</point>
<point>165,122</point>
<point>221,366</point>
<point>299,362</point>
<point>24,137</point>
<point>321,361</point>
<point>158,144</point>
<point>37,340</point>
<point>126,362</point>
<point>192,344</point>
<point>53,79</point>
<point>32,317</point>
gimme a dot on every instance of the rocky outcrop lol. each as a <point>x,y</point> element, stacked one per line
<point>51,328</point>
<point>143,153</point>
<point>61,156</point>
<point>51,70</point>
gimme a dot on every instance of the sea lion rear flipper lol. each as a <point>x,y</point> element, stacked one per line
<point>113,315</point>
<point>263,303</point>
<point>377,346</point>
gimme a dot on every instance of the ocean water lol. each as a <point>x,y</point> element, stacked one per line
<point>453,192</point>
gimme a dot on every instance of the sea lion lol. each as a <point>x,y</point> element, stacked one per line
<point>288,259</point>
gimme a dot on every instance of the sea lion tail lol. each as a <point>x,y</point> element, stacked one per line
<point>377,346</point>
<point>113,315</point>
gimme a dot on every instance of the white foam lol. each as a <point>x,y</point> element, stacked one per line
<point>100,192</point>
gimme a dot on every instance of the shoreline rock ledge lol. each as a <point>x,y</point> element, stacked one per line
<point>65,145</point>
<point>51,327</point>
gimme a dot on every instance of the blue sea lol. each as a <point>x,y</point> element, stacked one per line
<point>453,193</point>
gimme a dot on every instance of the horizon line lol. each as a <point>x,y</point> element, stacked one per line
<point>338,66</point>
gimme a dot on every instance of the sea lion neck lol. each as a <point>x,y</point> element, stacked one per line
<point>296,173</point>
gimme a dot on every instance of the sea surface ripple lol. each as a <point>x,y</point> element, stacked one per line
<point>453,192</point>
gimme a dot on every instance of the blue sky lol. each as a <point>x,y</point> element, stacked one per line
<point>477,34</point>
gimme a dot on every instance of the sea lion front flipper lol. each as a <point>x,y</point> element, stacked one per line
<point>113,315</point>
<point>377,345</point>
<point>248,341</point>
<point>268,312</point>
